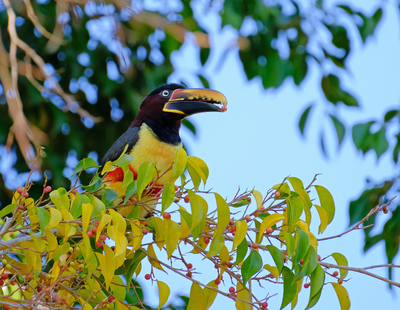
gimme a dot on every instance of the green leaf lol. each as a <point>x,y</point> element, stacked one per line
<point>342,295</point>
<point>380,143</point>
<point>252,264</point>
<point>390,115</point>
<point>299,189</point>
<point>130,191</point>
<point>44,218</point>
<point>241,251</point>
<point>303,243</point>
<point>294,209</point>
<point>145,175</point>
<point>342,261</point>
<point>290,243</point>
<point>277,256</point>
<point>367,28</point>
<point>8,209</point>
<point>137,258</point>
<point>204,53</point>
<point>331,86</point>
<point>317,283</point>
<point>204,81</point>
<point>168,196</point>
<point>289,288</point>
<point>84,164</point>
<point>362,136</point>
<point>339,127</point>
<point>108,197</point>
<point>310,262</point>
<point>189,125</point>
<point>197,209</point>
<point>94,184</point>
<point>304,117</point>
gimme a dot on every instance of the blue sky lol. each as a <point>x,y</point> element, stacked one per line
<point>257,143</point>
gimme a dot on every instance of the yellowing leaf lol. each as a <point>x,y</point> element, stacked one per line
<point>341,260</point>
<point>282,188</point>
<point>153,260</point>
<point>299,189</point>
<point>273,270</point>
<point>173,232</point>
<point>145,175</point>
<point>159,226</point>
<point>197,209</point>
<point>342,295</point>
<point>216,246</point>
<point>269,221</point>
<point>327,202</point>
<point>197,169</point>
<point>105,219</point>
<point>118,221</point>
<point>87,209</point>
<point>137,235</point>
<point>179,163</point>
<point>52,244</point>
<point>60,198</point>
<point>168,195</point>
<point>243,294</point>
<point>323,217</point>
<point>163,293</point>
<point>241,230</point>
<point>55,218</point>
<point>197,300</point>
<point>223,214</point>
<point>259,198</point>
<point>109,166</point>
<point>107,264</point>
<point>210,294</point>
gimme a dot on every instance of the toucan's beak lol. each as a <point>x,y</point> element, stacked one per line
<point>191,101</point>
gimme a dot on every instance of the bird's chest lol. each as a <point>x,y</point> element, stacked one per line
<point>150,149</point>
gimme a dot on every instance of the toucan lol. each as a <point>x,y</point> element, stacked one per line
<point>153,135</point>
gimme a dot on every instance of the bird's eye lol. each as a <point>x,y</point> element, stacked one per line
<point>165,93</point>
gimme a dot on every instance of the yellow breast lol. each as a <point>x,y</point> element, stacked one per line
<point>150,149</point>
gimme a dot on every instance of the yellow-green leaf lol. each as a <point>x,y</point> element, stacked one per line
<point>241,230</point>
<point>273,270</point>
<point>145,175</point>
<point>282,188</point>
<point>9,209</point>
<point>60,198</point>
<point>258,197</point>
<point>342,261</point>
<point>107,264</point>
<point>105,219</point>
<point>243,294</point>
<point>159,227</point>
<point>197,169</point>
<point>153,260</point>
<point>342,295</point>
<point>210,294</point>
<point>87,209</point>
<point>269,221</point>
<point>327,202</point>
<point>197,300</point>
<point>216,246</point>
<point>168,195</point>
<point>179,163</point>
<point>202,165</point>
<point>163,293</point>
<point>173,232</point>
<point>197,209</point>
<point>323,217</point>
<point>299,189</point>
<point>55,218</point>
<point>223,214</point>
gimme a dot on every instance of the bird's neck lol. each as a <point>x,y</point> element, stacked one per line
<point>165,131</point>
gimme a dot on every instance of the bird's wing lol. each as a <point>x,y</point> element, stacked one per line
<point>130,137</point>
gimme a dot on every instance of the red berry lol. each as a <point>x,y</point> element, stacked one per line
<point>277,195</point>
<point>336,273</point>
<point>47,189</point>
<point>231,222</point>
<point>233,233</point>
<point>233,228</point>
<point>230,228</point>
<point>147,276</point>
<point>319,257</point>
<point>231,289</point>
<point>190,266</point>
<point>113,248</point>
<point>269,230</point>
<point>265,304</point>
<point>176,187</point>
<point>90,234</point>
<point>186,199</point>
<point>99,244</point>
<point>5,307</point>
<point>256,214</point>
<point>306,285</point>
<point>301,261</point>
<point>4,276</point>
<point>1,282</point>
<point>97,223</point>
<point>145,231</point>
<point>103,237</point>
<point>207,240</point>
<point>73,191</point>
<point>132,199</point>
<point>110,299</point>
<point>247,218</point>
<point>254,246</point>
<point>340,282</point>
<point>224,108</point>
<point>166,215</point>
<point>217,281</point>
<point>248,199</point>
<point>39,289</point>
<point>26,194</point>
<point>189,274</point>
<point>94,230</point>
<point>19,190</point>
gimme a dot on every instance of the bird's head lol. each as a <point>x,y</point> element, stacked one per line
<point>174,102</point>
